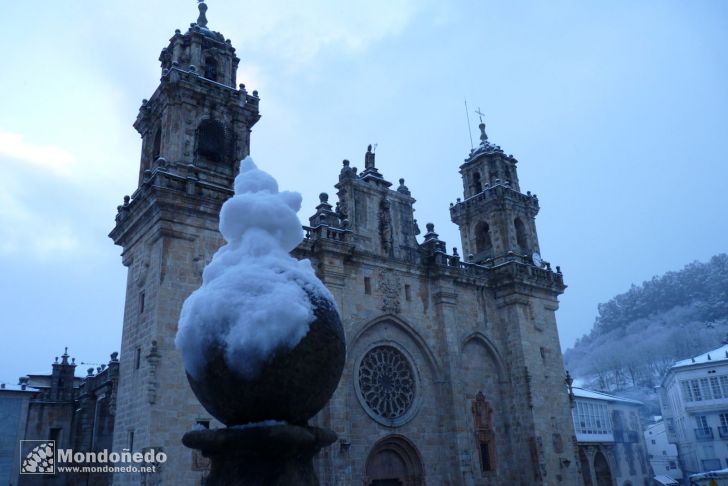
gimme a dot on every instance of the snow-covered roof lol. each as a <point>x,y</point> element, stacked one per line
<point>718,474</point>
<point>595,395</point>
<point>19,388</point>
<point>665,480</point>
<point>716,355</point>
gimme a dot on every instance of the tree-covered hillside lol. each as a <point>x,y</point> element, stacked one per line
<point>639,334</point>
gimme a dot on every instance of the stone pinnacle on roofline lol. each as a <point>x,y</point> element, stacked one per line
<point>202,19</point>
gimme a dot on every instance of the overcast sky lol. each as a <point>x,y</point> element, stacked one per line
<point>617,112</point>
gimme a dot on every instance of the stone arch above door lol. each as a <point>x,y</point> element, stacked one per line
<point>394,461</point>
<point>602,470</point>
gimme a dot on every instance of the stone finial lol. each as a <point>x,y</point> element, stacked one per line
<point>431,235</point>
<point>90,372</point>
<point>483,135</point>
<point>323,197</point>
<point>346,170</point>
<point>115,356</point>
<point>402,188</point>
<point>202,19</point>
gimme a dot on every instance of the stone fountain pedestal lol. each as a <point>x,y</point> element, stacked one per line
<point>274,455</point>
<point>291,388</point>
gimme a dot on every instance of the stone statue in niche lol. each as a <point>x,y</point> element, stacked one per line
<point>385,227</point>
<point>342,207</point>
<point>390,287</point>
<point>484,435</point>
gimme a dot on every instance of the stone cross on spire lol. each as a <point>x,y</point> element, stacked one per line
<point>480,114</point>
<point>202,19</point>
<point>483,136</point>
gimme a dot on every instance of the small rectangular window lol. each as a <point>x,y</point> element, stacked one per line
<point>141,302</point>
<point>701,421</point>
<point>367,285</point>
<point>130,440</point>
<point>724,419</point>
<point>485,457</point>
<point>55,435</point>
<point>705,389</point>
<point>407,292</point>
<point>695,388</point>
<point>137,358</point>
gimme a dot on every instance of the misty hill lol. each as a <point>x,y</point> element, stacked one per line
<point>639,334</point>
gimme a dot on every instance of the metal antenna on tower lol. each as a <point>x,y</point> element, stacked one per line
<point>467,116</point>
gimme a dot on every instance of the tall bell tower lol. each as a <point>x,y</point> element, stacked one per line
<point>195,129</point>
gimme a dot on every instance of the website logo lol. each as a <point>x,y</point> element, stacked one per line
<point>42,457</point>
<point>38,457</point>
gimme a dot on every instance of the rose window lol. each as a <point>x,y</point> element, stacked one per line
<point>387,382</point>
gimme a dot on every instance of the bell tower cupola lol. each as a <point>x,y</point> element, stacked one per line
<point>196,117</point>
<point>496,220</point>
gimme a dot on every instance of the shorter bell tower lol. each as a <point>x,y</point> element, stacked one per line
<point>495,219</point>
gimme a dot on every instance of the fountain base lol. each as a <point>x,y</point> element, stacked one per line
<point>274,455</point>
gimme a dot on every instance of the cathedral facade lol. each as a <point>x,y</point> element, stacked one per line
<point>453,374</point>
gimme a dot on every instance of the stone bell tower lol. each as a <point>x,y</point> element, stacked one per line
<point>195,129</point>
<point>495,218</point>
<point>497,227</point>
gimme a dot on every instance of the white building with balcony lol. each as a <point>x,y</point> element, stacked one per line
<point>694,402</point>
<point>612,449</point>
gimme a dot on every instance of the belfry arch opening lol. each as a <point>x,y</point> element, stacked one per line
<point>483,239</point>
<point>157,145</point>
<point>394,461</point>
<point>211,68</point>
<point>521,236</point>
<point>477,184</point>
<point>210,141</point>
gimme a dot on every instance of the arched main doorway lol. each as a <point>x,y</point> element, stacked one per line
<point>602,471</point>
<point>394,461</point>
